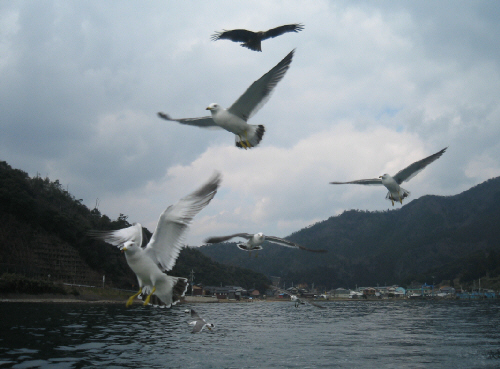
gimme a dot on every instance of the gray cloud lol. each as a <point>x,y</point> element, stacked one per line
<point>372,88</point>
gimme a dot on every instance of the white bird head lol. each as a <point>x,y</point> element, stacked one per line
<point>213,107</point>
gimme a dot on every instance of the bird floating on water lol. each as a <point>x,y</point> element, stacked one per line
<point>397,193</point>
<point>161,252</point>
<point>254,241</point>
<point>252,40</point>
<point>236,117</point>
<point>299,301</point>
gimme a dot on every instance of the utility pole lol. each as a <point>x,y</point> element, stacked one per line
<point>192,282</point>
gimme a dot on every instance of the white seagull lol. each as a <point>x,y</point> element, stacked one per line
<point>397,193</point>
<point>199,323</point>
<point>298,301</point>
<point>235,118</point>
<point>161,252</point>
<point>254,241</point>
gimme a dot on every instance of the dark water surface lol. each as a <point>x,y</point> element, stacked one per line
<point>348,334</point>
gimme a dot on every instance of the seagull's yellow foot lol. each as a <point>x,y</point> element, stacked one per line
<point>243,144</point>
<point>149,296</point>
<point>392,202</point>
<point>250,254</point>
<point>130,300</point>
<point>246,139</point>
<point>401,200</point>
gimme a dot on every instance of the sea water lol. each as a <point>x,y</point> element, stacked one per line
<point>347,334</point>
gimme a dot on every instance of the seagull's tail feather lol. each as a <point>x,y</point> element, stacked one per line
<point>254,136</point>
<point>402,193</point>
<point>244,246</point>
<point>171,290</point>
<point>252,45</point>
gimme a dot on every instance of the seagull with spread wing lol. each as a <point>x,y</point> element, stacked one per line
<point>298,301</point>
<point>161,252</point>
<point>199,323</point>
<point>252,40</point>
<point>397,193</point>
<point>254,241</point>
<point>236,117</point>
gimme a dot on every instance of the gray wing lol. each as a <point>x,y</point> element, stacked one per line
<point>274,32</point>
<point>282,242</point>
<point>225,238</point>
<point>260,91</point>
<point>200,322</point>
<point>373,181</point>
<point>168,238</point>
<point>412,170</point>
<point>236,35</point>
<point>195,315</point>
<point>198,327</point>
<point>315,304</point>
<point>203,122</point>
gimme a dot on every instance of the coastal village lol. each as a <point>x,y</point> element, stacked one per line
<point>425,291</point>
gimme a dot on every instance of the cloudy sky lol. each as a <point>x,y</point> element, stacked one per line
<point>373,87</point>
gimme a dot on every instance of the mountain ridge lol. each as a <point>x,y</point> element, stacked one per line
<point>384,247</point>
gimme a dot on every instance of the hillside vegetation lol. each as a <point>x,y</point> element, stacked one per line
<point>432,238</point>
<point>43,232</point>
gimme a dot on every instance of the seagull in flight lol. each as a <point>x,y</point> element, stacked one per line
<point>160,254</point>
<point>236,117</point>
<point>254,241</point>
<point>199,323</point>
<point>251,40</point>
<point>397,193</point>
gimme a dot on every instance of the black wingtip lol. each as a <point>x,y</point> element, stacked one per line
<point>164,116</point>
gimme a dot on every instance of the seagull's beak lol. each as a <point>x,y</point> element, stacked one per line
<point>208,108</point>
<point>380,176</point>
<point>124,248</point>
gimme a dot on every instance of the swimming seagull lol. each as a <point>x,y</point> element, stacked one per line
<point>298,301</point>
<point>252,40</point>
<point>397,193</point>
<point>254,241</point>
<point>236,117</point>
<point>199,323</point>
<point>161,252</point>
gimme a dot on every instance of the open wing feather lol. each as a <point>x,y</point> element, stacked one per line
<point>132,234</point>
<point>203,122</point>
<point>225,238</point>
<point>412,170</point>
<point>373,181</point>
<point>274,32</point>
<point>168,238</point>
<point>283,242</point>
<point>236,35</point>
<point>260,91</point>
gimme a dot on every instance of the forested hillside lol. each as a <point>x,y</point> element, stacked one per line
<point>430,238</point>
<point>43,232</point>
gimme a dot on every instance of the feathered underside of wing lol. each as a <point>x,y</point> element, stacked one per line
<point>168,238</point>
<point>412,170</point>
<point>236,35</point>
<point>283,242</point>
<point>119,237</point>
<point>274,32</point>
<point>260,91</point>
<point>219,239</point>
<point>202,122</point>
<point>372,181</point>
